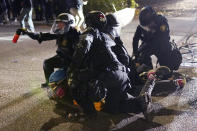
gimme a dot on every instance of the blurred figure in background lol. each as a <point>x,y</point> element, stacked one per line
<point>9,8</point>
<point>60,6</point>
<point>26,13</point>
<point>76,9</point>
<point>39,9</point>
<point>48,10</point>
<point>16,7</point>
<point>3,12</point>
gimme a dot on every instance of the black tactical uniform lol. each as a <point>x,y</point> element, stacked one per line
<point>113,30</point>
<point>48,10</point>
<point>155,41</point>
<point>94,60</point>
<point>66,42</point>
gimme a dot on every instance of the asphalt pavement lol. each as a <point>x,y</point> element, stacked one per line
<point>24,106</point>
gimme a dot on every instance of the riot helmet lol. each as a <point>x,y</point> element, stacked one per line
<point>146,16</point>
<point>112,20</point>
<point>112,26</point>
<point>62,23</point>
<point>96,19</point>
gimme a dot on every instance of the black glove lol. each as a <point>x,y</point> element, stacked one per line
<point>22,31</point>
<point>35,36</point>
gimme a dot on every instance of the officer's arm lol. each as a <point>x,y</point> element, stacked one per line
<point>42,36</point>
<point>136,39</point>
<point>49,36</point>
<point>82,49</point>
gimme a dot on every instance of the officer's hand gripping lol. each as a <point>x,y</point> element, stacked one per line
<point>34,36</point>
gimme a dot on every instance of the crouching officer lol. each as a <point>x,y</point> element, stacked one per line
<point>66,38</point>
<point>153,31</point>
<point>94,59</point>
<point>113,30</point>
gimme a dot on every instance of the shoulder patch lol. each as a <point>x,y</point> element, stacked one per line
<point>64,42</point>
<point>163,28</point>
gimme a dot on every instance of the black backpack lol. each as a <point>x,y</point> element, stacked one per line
<point>121,52</point>
<point>175,57</point>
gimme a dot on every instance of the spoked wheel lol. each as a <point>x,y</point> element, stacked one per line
<point>189,50</point>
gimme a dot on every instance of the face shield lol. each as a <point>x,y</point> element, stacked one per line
<point>60,27</point>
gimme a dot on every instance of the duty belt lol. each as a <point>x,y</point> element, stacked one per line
<point>121,68</point>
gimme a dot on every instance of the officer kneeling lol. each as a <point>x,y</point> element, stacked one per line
<point>94,65</point>
<point>66,39</point>
<point>154,33</point>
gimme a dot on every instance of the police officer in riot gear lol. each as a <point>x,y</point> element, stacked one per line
<point>94,60</point>
<point>66,39</point>
<point>113,30</point>
<point>153,31</point>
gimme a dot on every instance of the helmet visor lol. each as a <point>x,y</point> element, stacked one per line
<point>60,27</point>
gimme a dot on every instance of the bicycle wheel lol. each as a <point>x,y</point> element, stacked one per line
<point>189,50</point>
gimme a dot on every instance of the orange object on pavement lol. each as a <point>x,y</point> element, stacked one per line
<point>97,105</point>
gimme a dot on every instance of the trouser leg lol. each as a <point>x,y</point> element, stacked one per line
<point>50,64</point>
<point>131,106</point>
<point>30,22</point>
<point>22,17</point>
<point>116,83</point>
<point>79,92</point>
<point>81,17</point>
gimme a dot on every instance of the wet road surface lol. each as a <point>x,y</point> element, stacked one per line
<point>25,106</point>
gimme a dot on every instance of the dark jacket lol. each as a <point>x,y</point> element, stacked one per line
<point>158,41</point>
<point>27,4</point>
<point>66,42</point>
<point>3,7</point>
<point>96,47</point>
<point>119,48</point>
<point>95,57</point>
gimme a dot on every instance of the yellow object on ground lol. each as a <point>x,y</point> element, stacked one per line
<point>98,105</point>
